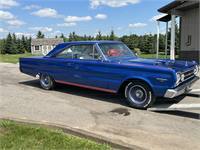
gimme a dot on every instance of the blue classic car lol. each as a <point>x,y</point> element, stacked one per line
<point>110,66</point>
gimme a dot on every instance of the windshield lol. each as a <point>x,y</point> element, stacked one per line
<point>116,50</point>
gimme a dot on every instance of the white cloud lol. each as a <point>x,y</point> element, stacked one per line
<point>16,23</point>
<point>154,18</point>
<point>112,3</point>
<point>46,12</point>
<point>2,30</point>
<point>19,34</point>
<point>67,24</point>
<point>137,25</point>
<point>10,19</point>
<point>30,7</point>
<point>55,33</point>
<point>8,3</point>
<point>77,18</point>
<point>43,29</point>
<point>101,16</point>
<point>5,15</point>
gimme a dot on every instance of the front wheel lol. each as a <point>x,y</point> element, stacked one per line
<point>139,95</point>
<point>46,82</point>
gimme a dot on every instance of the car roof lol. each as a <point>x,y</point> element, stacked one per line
<point>89,42</point>
<point>63,45</point>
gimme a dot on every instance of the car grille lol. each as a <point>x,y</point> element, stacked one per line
<point>189,74</point>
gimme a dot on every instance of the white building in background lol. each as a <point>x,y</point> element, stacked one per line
<point>188,12</point>
<point>45,45</point>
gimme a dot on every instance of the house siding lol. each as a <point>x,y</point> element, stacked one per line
<point>45,45</point>
<point>190,32</point>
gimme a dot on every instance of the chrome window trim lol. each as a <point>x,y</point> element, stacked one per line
<point>101,53</point>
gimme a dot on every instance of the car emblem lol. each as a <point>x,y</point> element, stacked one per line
<point>186,63</point>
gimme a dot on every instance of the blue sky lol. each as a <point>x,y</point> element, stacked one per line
<point>54,17</point>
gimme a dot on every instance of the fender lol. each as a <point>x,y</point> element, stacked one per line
<point>137,78</point>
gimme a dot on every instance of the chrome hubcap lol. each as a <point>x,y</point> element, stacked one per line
<point>45,80</point>
<point>137,94</point>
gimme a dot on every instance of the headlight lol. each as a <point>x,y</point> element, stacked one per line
<point>182,77</point>
<point>196,70</point>
<point>178,78</point>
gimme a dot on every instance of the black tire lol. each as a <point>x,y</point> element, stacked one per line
<point>46,82</point>
<point>139,95</point>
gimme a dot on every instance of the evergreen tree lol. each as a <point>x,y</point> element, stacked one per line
<point>99,36</point>
<point>63,37</point>
<point>70,37</point>
<point>19,46</point>
<point>74,36</point>
<point>24,46</point>
<point>90,38</point>
<point>112,35</point>
<point>28,44</point>
<point>8,45</point>
<point>85,37</point>
<point>40,35</point>
<point>14,42</point>
<point>2,46</point>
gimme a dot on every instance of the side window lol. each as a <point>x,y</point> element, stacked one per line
<point>66,53</point>
<point>88,52</point>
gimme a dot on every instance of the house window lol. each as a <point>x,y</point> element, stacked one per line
<point>37,47</point>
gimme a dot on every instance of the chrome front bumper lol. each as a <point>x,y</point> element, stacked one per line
<point>171,93</point>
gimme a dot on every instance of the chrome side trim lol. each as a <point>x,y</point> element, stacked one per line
<point>161,79</point>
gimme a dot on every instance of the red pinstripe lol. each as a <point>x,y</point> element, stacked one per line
<point>86,86</point>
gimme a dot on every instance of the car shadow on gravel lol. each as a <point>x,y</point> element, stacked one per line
<point>112,98</point>
<point>72,90</point>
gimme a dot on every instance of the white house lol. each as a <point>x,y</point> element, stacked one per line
<point>45,45</point>
<point>188,12</point>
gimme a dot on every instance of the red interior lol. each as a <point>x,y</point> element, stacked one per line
<point>113,52</point>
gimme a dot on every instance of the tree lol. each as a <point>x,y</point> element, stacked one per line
<point>63,37</point>
<point>2,46</point>
<point>8,45</point>
<point>40,35</point>
<point>99,36</point>
<point>19,46</point>
<point>14,42</point>
<point>145,43</point>
<point>28,44</point>
<point>112,35</point>
<point>23,45</point>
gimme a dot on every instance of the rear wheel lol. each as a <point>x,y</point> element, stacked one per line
<point>46,82</point>
<point>139,95</point>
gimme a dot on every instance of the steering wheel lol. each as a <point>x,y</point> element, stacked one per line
<point>113,52</point>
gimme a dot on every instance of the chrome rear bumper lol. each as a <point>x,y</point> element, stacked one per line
<point>171,93</point>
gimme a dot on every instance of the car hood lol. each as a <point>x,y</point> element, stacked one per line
<point>177,65</point>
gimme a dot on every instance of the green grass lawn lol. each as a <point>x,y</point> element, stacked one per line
<point>13,58</point>
<point>24,136</point>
